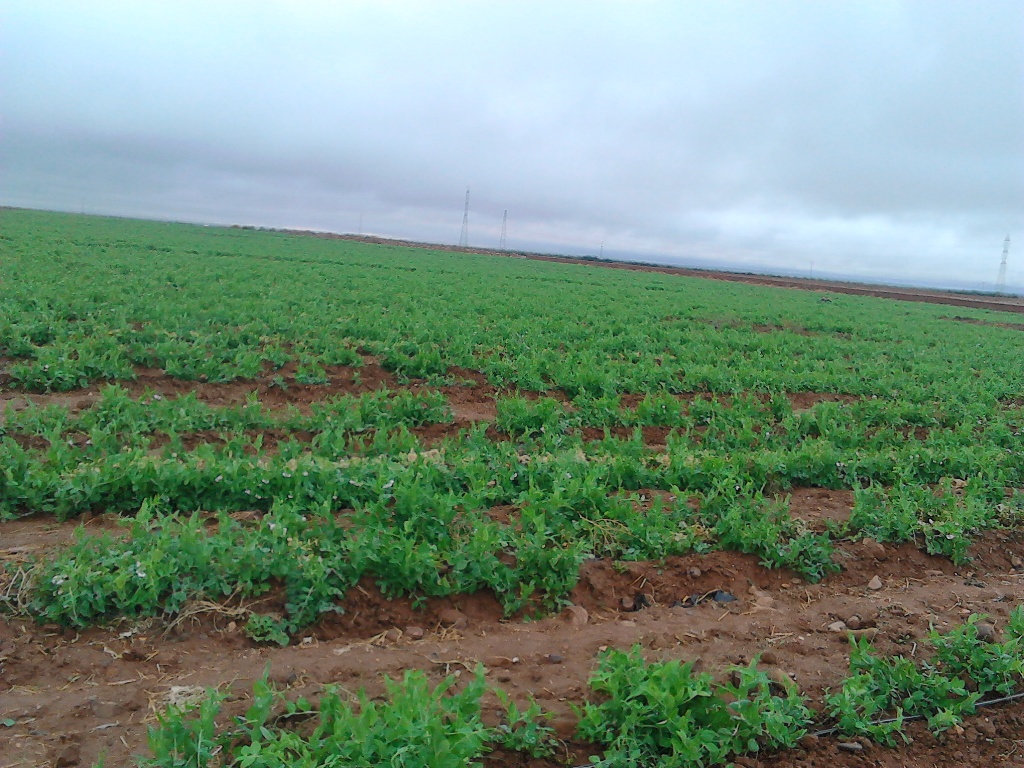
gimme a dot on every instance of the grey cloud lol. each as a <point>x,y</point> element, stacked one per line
<point>877,139</point>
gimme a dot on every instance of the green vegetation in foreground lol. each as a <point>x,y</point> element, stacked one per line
<point>918,414</point>
<point>659,714</point>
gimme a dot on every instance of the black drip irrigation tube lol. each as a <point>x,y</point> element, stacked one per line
<point>910,718</point>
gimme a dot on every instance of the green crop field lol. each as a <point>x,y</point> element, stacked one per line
<point>295,416</point>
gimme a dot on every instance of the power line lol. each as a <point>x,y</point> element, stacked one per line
<point>464,237</point>
<point>1001,280</point>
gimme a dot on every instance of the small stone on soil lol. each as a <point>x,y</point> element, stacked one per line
<point>850,746</point>
<point>837,626</point>
<point>393,635</point>
<point>855,622</point>
<point>554,658</point>
<point>415,633</point>
<point>875,584</point>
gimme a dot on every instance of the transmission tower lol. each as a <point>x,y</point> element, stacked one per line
<point>464,237</point>
<point>504,225</point>
<point>1001,280</point>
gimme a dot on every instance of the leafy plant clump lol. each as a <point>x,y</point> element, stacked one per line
<point>881,693</point>
<point>944,519</point>
<point>415,725</point>
<point>665,714</point>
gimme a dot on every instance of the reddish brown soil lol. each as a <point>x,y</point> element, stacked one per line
<point>817,506</point>
<point>804,401</point>
<point>344,380</point>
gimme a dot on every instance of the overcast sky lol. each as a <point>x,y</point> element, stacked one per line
<point>874,139</point>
